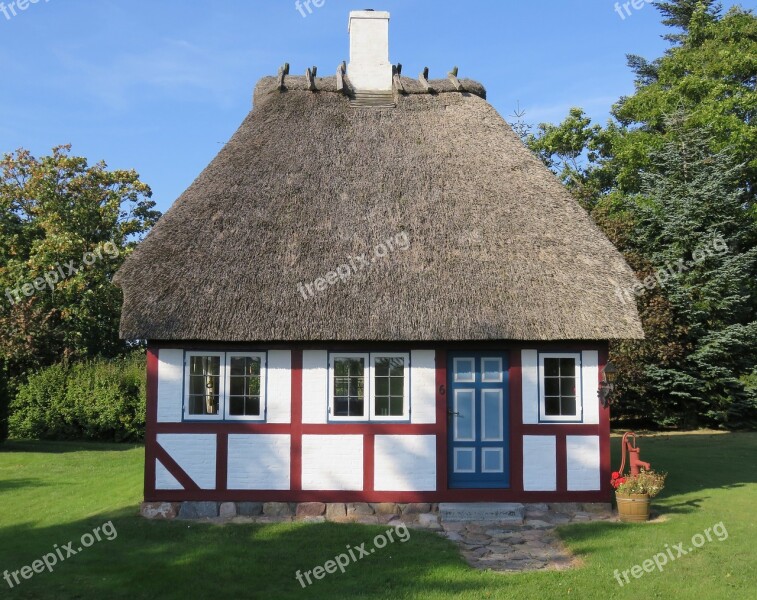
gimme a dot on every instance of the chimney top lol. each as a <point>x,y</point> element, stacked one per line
<point>369,68</point>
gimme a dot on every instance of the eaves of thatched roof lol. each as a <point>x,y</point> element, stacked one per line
<point>497,248</point>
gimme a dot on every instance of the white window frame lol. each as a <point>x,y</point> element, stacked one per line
<point>578,417</point>
<point>369,387</point>
<point>366,384</point>
<point>405,387</point>
<point>227,386</point>
<point>223,392</point>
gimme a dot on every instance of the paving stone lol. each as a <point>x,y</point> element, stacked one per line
<point>277,509</point>
<point>386,508</point>
<point>538,524</point>
<point>565,507</point>
<point>310,509</point>
<point>416,508</point>
<point>159,510</point>
<point>496,533</point>
<point>536,515</point>
<point>429,520</point>
<point>360,508</point>
<point>482,511</point>
<point>560,519</point>
<point>249,509</point>
<point>336,511</point>
<point>198,510</point>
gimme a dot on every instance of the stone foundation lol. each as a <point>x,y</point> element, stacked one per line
<point>423,514</point>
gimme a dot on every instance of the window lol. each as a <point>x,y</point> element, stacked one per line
<point>223,385</point>
<point>560,387</point>
<point>367,387</point>
<point>349,386</point>
<point>390,391</point>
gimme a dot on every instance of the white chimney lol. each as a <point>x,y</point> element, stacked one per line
<point>369,68</point>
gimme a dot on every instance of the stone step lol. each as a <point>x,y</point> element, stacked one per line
<point>501,512</point>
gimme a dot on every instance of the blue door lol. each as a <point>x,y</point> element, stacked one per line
<point>478,408</point>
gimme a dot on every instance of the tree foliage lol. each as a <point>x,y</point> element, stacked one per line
<point>671,175</point>
<point>65,228</point>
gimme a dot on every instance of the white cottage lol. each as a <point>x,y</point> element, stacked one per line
<point>376,293</point>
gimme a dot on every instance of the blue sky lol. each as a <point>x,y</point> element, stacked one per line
<point>159,85</point>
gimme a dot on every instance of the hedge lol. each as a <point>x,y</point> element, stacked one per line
<point>100,400</point>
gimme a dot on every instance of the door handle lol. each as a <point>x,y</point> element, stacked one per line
<point>450,413</point>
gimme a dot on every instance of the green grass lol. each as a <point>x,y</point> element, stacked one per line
<point>52,493</point>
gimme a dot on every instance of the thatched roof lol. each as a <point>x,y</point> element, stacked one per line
<point>497,248</point>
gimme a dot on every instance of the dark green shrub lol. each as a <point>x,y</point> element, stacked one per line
<point>101,400</point>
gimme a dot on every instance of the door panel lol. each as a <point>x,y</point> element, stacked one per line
<point>478,420</point>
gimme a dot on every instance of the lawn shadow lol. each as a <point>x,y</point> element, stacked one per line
<point>7,485</point>
<point>177,559</point>
<point>54,447</point>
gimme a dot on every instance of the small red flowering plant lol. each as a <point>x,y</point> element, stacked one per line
<point>647,483</point>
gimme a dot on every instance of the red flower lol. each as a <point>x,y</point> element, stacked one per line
<point>615,475</point>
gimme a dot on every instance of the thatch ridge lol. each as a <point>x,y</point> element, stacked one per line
<point>498,248</point>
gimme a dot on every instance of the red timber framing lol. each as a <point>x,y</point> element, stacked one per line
<point>296,429</point>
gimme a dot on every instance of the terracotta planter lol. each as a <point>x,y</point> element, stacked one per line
<point>633,508</point>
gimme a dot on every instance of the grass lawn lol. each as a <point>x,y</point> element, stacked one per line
<point>53,493</point>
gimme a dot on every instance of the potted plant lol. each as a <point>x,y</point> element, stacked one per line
<point>634,492</point>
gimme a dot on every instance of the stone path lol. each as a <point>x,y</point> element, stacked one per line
<point>508,547</point>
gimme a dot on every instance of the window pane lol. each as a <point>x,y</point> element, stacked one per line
<point>349,366</point>
<point>195,405</point>
<point>551,386</point>
<point>341,368</point>
<point>552,367</point>
<point>356,387</point>
<point>239,366</point>
<point>205,365</point>
<point>349,387</point>
<point>236,406</point>
<point>382,367</point>
<point>568,367</point>
<point>196,385</point>
<point>397,367</point>
<point>397,386</point>
<point>464,419</point>
<point>341,386</point>
<point>568,386</point>
<point>356,407</point>
<point>568,406</point>
<point>237,386</point>
<point>382,406</point>
<point>341,406</point>
<point>492,418</point>
<point>397,406</point>
<point>253,406</point>
<point>382,386</point>
<point>491,369</point>
<point>464,369</point>
<point>552,406</point>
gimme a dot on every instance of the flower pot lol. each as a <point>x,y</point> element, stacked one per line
<point>633,508</point>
